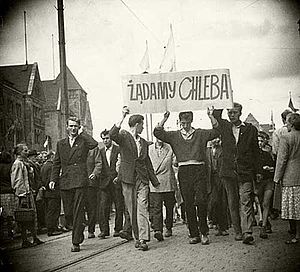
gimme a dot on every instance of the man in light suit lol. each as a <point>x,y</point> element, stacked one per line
<point>71,162</point>
<point>135,172</point>
<point>163,160</point>
<point>110,191</point>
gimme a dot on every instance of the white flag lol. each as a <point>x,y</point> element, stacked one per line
<point>59,100</point>
<point>145,62</point>
<point>168,63</point>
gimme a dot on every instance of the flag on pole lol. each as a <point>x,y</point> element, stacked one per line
<point>145,62</point>
<point>291,105</point>
<point>169,61</point>
<point>59,100</point>
<point>272,121</point>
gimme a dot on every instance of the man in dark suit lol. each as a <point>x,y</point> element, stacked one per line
<point>135,172</point>
<point>94,167</point>
<point>52,197</point>
<point>239,166</point>
<point>70,170</point>
<point>110,191</point>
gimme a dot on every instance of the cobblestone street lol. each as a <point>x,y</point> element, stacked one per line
<point>173,254</point>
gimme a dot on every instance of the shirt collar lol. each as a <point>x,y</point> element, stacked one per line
<point>187,133</point>
<point>135,137</point>
<point>108,149</point>
<point>241,124</point>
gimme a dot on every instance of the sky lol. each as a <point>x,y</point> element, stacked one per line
<point>105,39</point>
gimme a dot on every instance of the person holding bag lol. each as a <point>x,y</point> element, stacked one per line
<point>20,182</point>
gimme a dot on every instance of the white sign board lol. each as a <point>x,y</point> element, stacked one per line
<point>179,91</point>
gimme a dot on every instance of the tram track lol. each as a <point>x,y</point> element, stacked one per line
<point>81,259</point>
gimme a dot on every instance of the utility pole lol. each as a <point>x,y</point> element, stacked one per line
<point>62,56</point>
<point>25,34</point>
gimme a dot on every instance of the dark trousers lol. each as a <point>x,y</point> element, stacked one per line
<point>104,197</point>
<point>218,203</point>
<point>156,209</point>
<point>193,187</point>
<point>52,213</point>
<point>240,202</point>
<point>91,207</point>
<point>118,200</point>
<point>73,202</point>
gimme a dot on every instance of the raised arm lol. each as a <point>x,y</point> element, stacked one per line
<point>114,131</point>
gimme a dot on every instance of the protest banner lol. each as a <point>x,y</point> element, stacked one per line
<point>179,91</point>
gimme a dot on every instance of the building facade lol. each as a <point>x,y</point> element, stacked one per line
<point>22,104</point>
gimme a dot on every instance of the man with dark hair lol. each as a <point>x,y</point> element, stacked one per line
<point>110,190</point>
<point>135,172</point>
<point>239,168</point>
<point>70,171</point>
<point>189,146</point>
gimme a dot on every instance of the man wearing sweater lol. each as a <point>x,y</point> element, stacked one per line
<point>238,169</point>
<point>189,146</point>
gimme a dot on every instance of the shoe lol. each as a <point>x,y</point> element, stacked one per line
<point>116,234</point>
<point>210,225</point>
<point>260,222</point>
<point>268,227</point>
<point>137,244</point>
<point>26,244</point>
<point>143,246</point>
<point>101,235</point>
<point>292,241</point>
<point>168,233</point>
<point>75,248</point>
<point>37,241</point>
<point>248,239</point>
<point>222,233</point>
<point>64,229</point>
<point>195,240</point>
<point>238,237</point>
<point>254,223</point>
<point>91,235</point>
<point>125,235</point>
<point>262,233</point>
<point>204,240</point>
<point>158,235</point>
<point>54,233</point>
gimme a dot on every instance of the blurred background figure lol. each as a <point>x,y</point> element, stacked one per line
<point>287,172</point>
<point>21,183</point>
<point>51,197</point>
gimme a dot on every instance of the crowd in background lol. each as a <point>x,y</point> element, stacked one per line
<point>220,177</point>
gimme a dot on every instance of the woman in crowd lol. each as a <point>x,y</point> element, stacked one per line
<point>265,186</point>
<point>20,180</point>
<point>287,173</point>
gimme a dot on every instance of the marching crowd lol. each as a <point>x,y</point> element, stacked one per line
<point>218,177</point>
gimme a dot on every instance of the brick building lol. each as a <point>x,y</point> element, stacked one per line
<point>21,107</point>
<point>55,123</point>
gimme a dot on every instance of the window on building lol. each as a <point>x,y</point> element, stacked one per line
<point>1,97</point>
<point>19,110</point>
<point>10,107</point>
<point>2,127</point>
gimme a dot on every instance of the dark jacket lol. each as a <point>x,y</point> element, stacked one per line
<point>132,166</point>
<point>94,166</point>
<point>108,172</point>
<point>71,162</point>
<point>46,175</point>
<point>238,158</point>
<point>5,183</point>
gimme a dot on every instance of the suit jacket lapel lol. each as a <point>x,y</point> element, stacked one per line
<point>133,144</point>
<point>74,147</point>
<point>161,158</point>
<point>112,154</point>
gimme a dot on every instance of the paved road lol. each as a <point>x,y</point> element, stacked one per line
<point>173,254</point>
